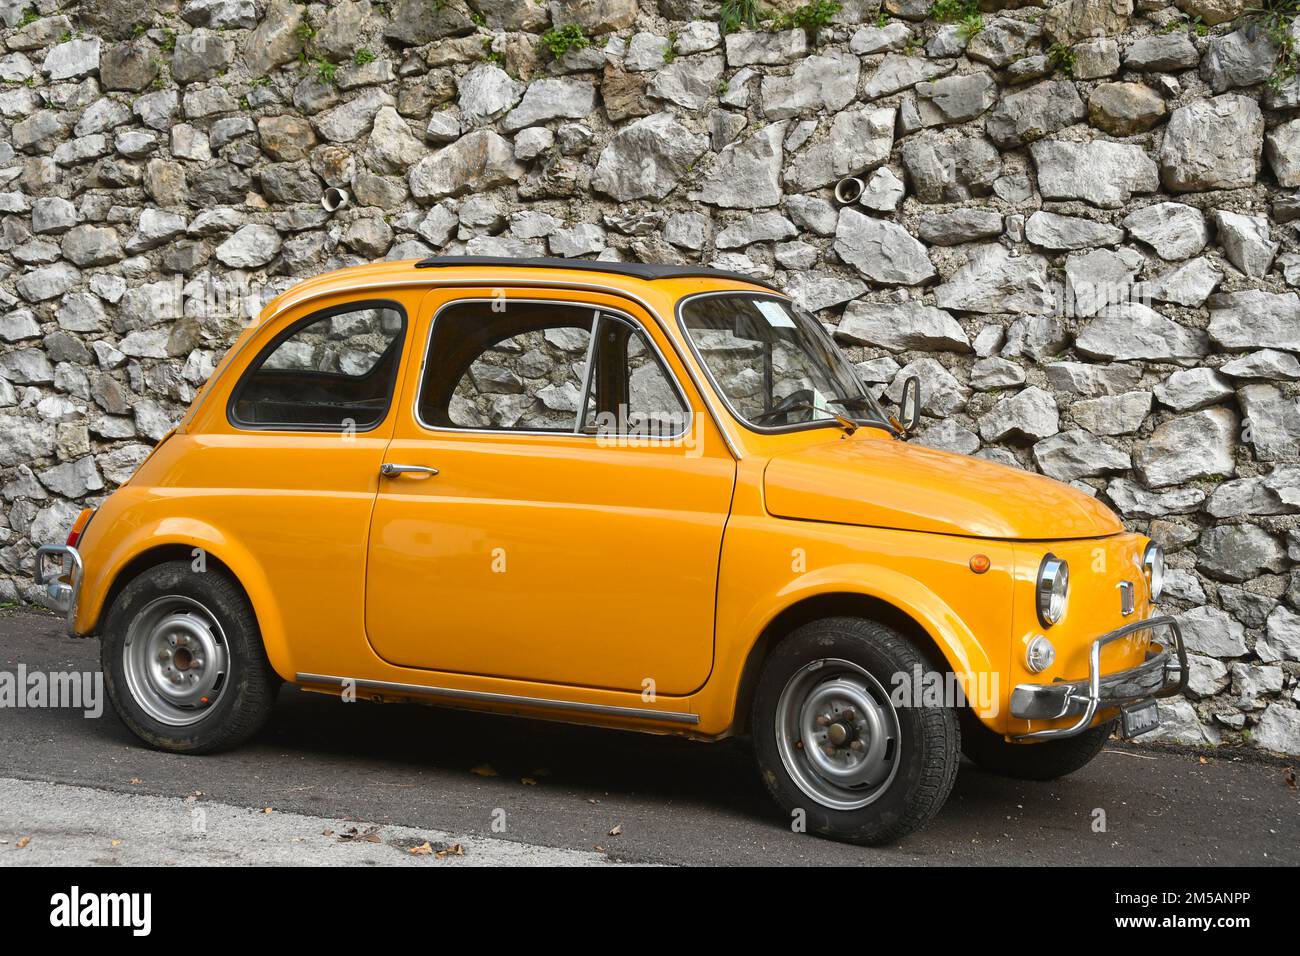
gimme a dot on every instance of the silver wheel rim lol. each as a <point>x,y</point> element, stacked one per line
<point>176,660</point>
<point>838,734</point>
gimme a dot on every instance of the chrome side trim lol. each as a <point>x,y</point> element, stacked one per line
<point>452,693</point>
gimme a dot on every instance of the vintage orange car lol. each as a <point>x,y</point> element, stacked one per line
<point>647,497</point>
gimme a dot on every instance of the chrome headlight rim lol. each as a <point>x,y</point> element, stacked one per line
<point>1052,589</point>
<point>1040,654</point>
<point>1153,566</point>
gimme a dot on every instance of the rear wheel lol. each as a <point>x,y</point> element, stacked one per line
<point>183,660</point>
<point>1047,760</point>
<point>832,747</point>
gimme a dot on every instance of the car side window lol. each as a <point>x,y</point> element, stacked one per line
<point>544,367</point>
<point>332,371</point>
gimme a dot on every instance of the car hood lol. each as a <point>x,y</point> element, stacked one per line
<point>882,483</point>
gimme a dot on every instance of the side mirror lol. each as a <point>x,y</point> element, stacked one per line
<point>909,406</point>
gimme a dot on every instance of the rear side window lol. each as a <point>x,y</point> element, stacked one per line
<point>333,371</point>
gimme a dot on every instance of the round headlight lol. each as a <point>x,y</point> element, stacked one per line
<point>1153,563</point>
<point>1053,589</point>
<point>1039,655</point>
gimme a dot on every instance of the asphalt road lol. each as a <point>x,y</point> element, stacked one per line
<point>401,772</point>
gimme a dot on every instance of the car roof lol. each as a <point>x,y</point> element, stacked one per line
<point>650,271</point>
<point>407,272</point>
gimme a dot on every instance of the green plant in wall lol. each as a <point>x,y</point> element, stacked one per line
<point>970,25</point>
<point>953,11</point>
<point>1274,18</point>
<point>491,55</point>
<point>558,42</point>
<point>1061,56</point>
<point>811,16</point>
<point>363,56</point>
<point>734,15</point>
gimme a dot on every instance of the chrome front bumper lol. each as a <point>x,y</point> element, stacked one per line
<point>1162,674</point>
<point>62,582</point>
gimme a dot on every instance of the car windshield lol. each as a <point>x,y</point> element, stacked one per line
<point>775,365</point>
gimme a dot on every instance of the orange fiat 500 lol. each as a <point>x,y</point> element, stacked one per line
<point>648,497</point>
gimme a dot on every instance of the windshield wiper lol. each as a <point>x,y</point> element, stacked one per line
<point>865,401</point>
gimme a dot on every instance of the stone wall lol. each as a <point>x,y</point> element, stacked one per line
<point>1021,167</point>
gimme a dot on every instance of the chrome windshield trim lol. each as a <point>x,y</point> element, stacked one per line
<point>545,703</point>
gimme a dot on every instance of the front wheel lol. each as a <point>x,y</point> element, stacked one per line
<point>835,747</point>
<point>183,660</point>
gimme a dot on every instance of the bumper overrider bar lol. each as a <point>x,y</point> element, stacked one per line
<point>59,570</point>
<point>1162,674</point>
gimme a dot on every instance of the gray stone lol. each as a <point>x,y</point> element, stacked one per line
<point>250,247</point>
<point>1200,445</point>
<point>1278,730</point>
<point>1029,415</point>
<point>881,251</point>
<point>826,82</point>
<point>1052,231</point>
<point>1095,59</point>
<point>277,39</point>
<point>548,99</point>
<point>941,393</point>
<point>893,36</point>
<point>899,72</point>
<point>1003,41</point>
<point>91,245</point>
<point>487,92</point>
<point>1160,52</point>
<point>1076,454</point>
<point>760,227</point>
<point>1113,414</point>
<point>1238,553</point>
<point>1103,173</point>
<point>960,225</point>
<point>392,148</point>
<point>901,326</point>
<point>747,174</point>
<point>752,48</point>
<point>647,159</point>
<point>1028,115</point>
<point>943,170</point>
<point>1210,631</point>
<point>1241,58</point>
<point>595,16</point>
<point>993,281</point>
<point>72,59</point>
<point>1246,242</point>
<point>1282,147</point>
<point>883,191</point>
<point>1100,279</point>
<point>200,55</point>
<point>477,161</point>
<point>1212,144</point>
<point>1192,389</point>
<point>1253,319</point>
<point>859,140</point>
<point>1273,422</point>
<point>689,82</point>
<point>1173,230</point>
<point>995,373</point>
<point>1266,365</point>
<point>1073,20</point>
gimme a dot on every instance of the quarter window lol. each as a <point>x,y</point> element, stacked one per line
<point>537,366</point>
<point>333,371</point>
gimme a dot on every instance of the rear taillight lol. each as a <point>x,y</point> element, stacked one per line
<point>79,526</point>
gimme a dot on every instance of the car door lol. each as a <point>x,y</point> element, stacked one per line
<point>555,501</point>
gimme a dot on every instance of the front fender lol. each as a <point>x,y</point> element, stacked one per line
<point>111,547</point>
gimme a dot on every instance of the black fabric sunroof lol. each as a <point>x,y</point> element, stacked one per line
<point>637,270</point>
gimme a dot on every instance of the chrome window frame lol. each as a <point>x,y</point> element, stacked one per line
<point>598,310</point>
<point>721,393</point>
<point>288,332</point>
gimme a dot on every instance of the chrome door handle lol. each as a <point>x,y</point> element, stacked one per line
<point>389,470</point>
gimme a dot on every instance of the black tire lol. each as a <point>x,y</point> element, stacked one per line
<point>928,748</point>
<point>247,693</point>
<point>1047,760</point>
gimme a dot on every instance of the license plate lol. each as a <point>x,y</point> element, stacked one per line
<point>1139,719</point>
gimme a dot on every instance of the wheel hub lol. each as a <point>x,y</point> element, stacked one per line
<point>838,734</point>
<point>176,660</point>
